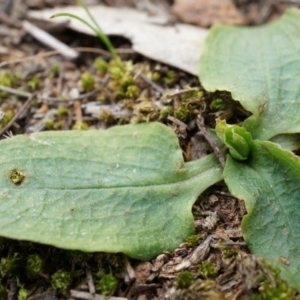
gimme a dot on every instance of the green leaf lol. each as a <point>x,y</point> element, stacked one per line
<point>269,183</point>
<point>260,66</point>
<point>126,189</point>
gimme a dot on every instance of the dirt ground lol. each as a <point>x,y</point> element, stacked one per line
<point>38,78</point>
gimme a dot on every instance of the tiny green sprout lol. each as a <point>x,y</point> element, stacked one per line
<point>17,176</point>
<point>100,65</point>
<point>218,104</point>
<point>23,294</point>
<point>107,284</point>
<point>34,265</point>
<point>207,270</point>
<point>155,76</point>
<point>184,280</point>
<point>193,239</point>
<point>62,111</point>
<point>87,82</point>
<point>183,113</point>
<point>61,280</point>
<point>55,69</point>
<point>95,27</point>
<point>107,117</point>
<point>165,112</point>
<point>34,82</point>
<point>9,266</point>
<point>132,91</point>
<point>80,125</point>
<point>3,292</point>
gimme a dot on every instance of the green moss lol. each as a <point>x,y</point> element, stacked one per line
<point>9,114</point>
<point>61,280</point>
<point>10,266</point>
<point>62,111</point>
<point>87,82</point>
<point>207,270</point>
<point>107,284</point>
<point>132,91</point>
<point>155,76</point>
<point>100,65</point>
<point>34,265</point>
<point>80,125</point>
<point>269,291</point>
<point>33,82</point>
<point>17,176</point>
<point>145,111</point>
<point>193,239</point>
<point>7,79</point>
<point>218,104</point>
<point>23,294</point>
<point>49,124</point>
<point>54,72</point>
<point>183,113</point>
<point>170,77</point>
<point>107,117</point>
<point>165,112</point>
<point>184,280</point>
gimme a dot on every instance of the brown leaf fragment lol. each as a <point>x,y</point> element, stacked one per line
<point>207,13</point>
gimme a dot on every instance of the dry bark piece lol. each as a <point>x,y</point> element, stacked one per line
<point>207,13</point>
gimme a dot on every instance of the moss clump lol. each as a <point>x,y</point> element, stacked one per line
<point>183,113</point>
<point>107,284</point>
<point>145,111</point>
<point>80,125</point>
<point>87,82</point>
<point>17,176</point>
<point>8,115</point>
<point>218,104</point>
<point>33,82</point>
<point>165,112</point>
<point>107,117</point>
<point>273,288</point>
<point>132,91</point>
<point>23,294</point>
<point>8,79</point>
<point>184,280</point>
<point>54,72</point>
<point>34,265</point>
<point>100,65</point>
<point>170,77</point>
<point>10,266</point>
<point>62,111</point>
<point>207,270</point>
<point>193,240</point>
<point>61,280</point>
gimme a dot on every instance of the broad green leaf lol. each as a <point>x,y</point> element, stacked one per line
<point>269,183</point>
<point>126,189</point>
<point>287,141</point>
<point>260,66</point>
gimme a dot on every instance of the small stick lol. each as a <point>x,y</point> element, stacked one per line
<point>209,139</point>
<point>90,281</point>
<point>181,92</point>
<point>56,52</point>
<point>88,296</point>
<point>45,99</point>
<point>152,84</point>
<point>23,108</point>
<point>50,41</point>
<point>78,111</point>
